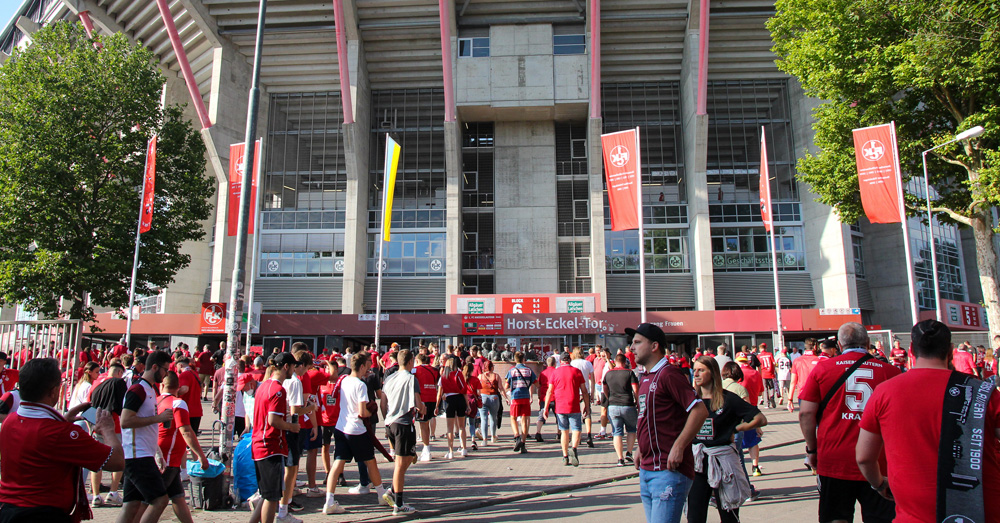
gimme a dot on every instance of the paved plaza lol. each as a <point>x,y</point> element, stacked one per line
<point>494,484</point>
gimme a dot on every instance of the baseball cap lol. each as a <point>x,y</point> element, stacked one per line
<point>649,331</point>
<point>243,379</point>
<point>763,345</point>
<point>282,358</point>
<point>742,356</point>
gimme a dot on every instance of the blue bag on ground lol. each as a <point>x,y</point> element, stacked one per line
<point>215,468</point>
<point>244,472</point>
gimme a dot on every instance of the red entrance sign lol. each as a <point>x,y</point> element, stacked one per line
<point>525,305</point>
<point>213,318</point>
<point>482,324</point>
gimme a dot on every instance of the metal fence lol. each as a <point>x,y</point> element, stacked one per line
<point>60,339</point>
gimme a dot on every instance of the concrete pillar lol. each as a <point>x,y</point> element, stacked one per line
<point>526,250</point>
<point>829,254</point>
<point>453,205</point>
<point>695,140</point>
<point>357,140</point>
<point>598,262</point>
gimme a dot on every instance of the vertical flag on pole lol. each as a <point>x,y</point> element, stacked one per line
<point>765,185</point>
<point>236,152</point>
<point>874,149</point>
<point>391,163</point>
<point>148,187</point>
<point>621,163</point>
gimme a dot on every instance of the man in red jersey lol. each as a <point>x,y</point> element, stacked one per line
<point>189,390</point>
<point>206,369</point>
<point>427,376</point>
<point>174,438</point>
<point>670,416</point>
<point>568,387</point>
<point>40,474</point>
<point>898,356</point>
<point>268,443</point>
<point>963,360</point>
<point>801,368</point>
<point>767,372</point>
<point>916,415</point>
<point>544,381</point>
<point>831,440</point>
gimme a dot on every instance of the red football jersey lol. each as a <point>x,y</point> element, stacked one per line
<point>171,443</point>
<point>566,382</point>
<point>427,377</point>
<point>766,365</point>
<point>266,440</point>
<point>906,411</point>
<point>189,378</point>
<point>964,362</point>
<point>753,383</point>
<point>801,368</point>
<point>838,429</point>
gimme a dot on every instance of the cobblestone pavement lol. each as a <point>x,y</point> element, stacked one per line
<point>492,475</point>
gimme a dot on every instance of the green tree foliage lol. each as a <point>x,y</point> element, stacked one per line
<point>75,118</point>
<point>933,67</point>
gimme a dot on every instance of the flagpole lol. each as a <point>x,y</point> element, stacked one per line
<point>914,308</point>
<point>135,257</point>
<point>642,239</point>
<point>381,244</point>
<point>765,171</point>
<point>256,238</point>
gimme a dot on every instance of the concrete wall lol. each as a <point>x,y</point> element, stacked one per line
<point>526,238</point>
<point>357,142</point>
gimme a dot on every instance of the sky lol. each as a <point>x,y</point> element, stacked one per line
<point>7,8</point>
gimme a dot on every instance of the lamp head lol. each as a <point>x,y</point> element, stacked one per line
<point>970,133</point>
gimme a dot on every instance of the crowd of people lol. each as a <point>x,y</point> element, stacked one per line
<point>688,424</point>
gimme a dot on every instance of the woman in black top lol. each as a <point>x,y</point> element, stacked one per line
<point>727,414</point>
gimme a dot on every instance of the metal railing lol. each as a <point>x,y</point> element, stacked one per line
<point>60,339</point>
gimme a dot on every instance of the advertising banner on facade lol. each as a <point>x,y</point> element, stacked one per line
<point>621,168</point>
<point>213,318</point>
<point>236,152</point>
<point>878,172</point>
<point>482,324</point>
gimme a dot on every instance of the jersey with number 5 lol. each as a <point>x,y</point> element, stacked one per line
<point>837,434</point>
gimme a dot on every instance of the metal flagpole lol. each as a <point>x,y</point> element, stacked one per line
<point>914,309</point>
<point>234,311</point>
<point>381,244</point>
<point>774,247</point>
<point>256,240</point>
<point>135,257</point>
<point>642,239</point>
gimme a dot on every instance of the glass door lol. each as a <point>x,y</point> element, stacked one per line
<point>712,341</point>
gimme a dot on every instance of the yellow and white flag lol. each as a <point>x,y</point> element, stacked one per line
<point>392,151</point>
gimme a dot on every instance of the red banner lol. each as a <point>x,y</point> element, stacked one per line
<point>148,187</point>
<point>213,318</point>
<point>524,305</point>
<point>236,151</point>
<point>765,184</point>
<point>621,168</point>
<point>878,172</point>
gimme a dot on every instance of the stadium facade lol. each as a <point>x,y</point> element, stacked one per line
<point>500,225</point>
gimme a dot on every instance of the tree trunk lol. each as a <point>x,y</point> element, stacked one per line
<point>986,259</point>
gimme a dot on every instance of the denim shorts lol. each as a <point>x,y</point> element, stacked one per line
<point>623,419</point>
<point>571,422</point>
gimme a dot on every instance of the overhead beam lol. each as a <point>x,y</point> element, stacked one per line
<point>199,13</point>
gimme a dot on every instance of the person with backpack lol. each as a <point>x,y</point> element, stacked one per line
<point>831,403</point>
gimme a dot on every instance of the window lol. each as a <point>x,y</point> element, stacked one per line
<point>580,209</point>
<point>665,251</point>
<point>859,255</point>
<point>747,249</point>
<point>569,44</point>
<point>301,255</point>
<point>474,47</point>
<point>578,146</point>
<point>408,254</point>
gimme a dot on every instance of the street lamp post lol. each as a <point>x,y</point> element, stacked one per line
<point>965,135</point>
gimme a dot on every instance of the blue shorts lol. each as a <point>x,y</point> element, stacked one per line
<point>750,439</point>
<point>572,422</point>
<point>623,419</point>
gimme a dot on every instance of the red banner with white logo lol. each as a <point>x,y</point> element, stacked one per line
<point>878,172</point>
<point>765,184</point>
<point>621,168</point>
<point>148,187</point>
<point>213,318</point>
<point>236,152</point>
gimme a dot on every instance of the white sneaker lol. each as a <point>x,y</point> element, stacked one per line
<point>334,509</point>
<point>463,452</point>
<point>449,455</point>
<point>289,518</point>
<point>113,498</point>
<point>425,455</point>
<point>301,483</point>
<point>315,493</point>
<point>254,500</point>
<point>360,489</point>
<point>97,501</point>
<point>405,509</point>
<point>386,498</point>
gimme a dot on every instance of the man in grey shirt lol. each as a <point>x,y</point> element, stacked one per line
<point>401,398</point>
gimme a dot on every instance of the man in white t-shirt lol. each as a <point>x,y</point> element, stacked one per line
<point>783,373</point>
<point>587,369</point>
<point>350,435</point>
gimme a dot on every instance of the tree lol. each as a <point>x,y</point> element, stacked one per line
<point>75,117</point>
<point>933,67</point>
